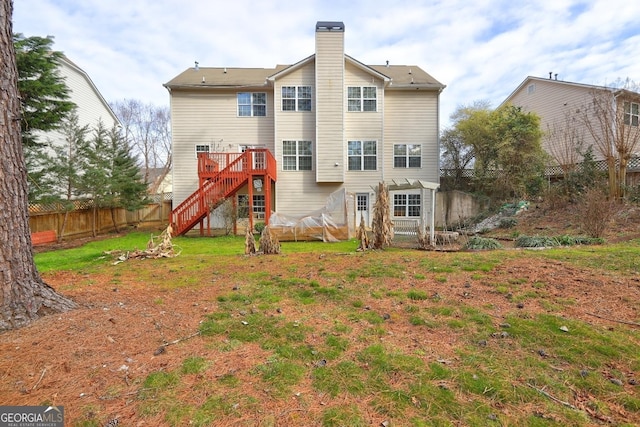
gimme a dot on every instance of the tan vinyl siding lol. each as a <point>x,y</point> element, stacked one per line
<point>366,123</point>
<point>553,102</point>
<point>411,117</point>
<point>363,126</point>
<point>329,89</point>
<point>211,119</point>
<point>300,196</point>
<point>296,190</point>
<point>294,125</point>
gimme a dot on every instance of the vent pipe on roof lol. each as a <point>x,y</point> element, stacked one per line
<point>196,66</point>
<point>555,76</point>
<point>550,73</point>
<point>387,63</point>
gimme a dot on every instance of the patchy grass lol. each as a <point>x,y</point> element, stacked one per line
<point>333,338</point>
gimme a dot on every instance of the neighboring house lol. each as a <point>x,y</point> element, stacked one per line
<point>302,132</point>
<point>159,180</point>
<point>563,108</point>
<point>91,106</point>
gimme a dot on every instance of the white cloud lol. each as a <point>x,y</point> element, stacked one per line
<point>481,50</point>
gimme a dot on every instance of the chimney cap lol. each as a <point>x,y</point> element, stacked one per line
<point>329,26</point>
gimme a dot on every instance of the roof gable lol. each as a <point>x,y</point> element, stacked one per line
<point>70,65</point>
<point>531,79</point>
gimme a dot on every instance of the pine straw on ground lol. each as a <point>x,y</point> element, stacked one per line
<point>93,360</point>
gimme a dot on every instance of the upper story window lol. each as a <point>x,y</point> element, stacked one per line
<point>362,98</point>
<point>407,156</point>
<point>296,155</point>
<point>631,113</point>
<point>252,104</point>
<point>362,155</point>
<point>406,205</point>
<point>296,98</point>
<point>202,149</point>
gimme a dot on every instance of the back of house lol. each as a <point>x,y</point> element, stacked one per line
<point>330,123</point>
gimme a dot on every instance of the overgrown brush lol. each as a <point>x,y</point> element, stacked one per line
<point>566,240</point>
<point>596,212</point>
<point>480,243</point>
<point>536,242</point>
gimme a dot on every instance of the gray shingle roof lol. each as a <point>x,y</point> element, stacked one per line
<point>402,76</point>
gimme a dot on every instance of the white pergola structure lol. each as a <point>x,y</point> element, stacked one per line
<point>424,186</point>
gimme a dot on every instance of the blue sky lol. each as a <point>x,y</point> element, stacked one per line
<point>481,50</point>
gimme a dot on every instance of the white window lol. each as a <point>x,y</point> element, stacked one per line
<point>258,205</point>
<point>296,98</point>
<point>531,88</point>
<point>252,104</point>
<point>406,205</point>
<point>296,155</point>
<point>362,202</point>
<point>202,149</point>
<point>407,156</point>
<point>631,113</point>
<point>362,98</point>
<point>362,155</point>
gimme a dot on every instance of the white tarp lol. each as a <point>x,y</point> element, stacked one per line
<point>327,224</point>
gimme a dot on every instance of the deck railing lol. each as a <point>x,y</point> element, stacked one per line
<point>221,176</point>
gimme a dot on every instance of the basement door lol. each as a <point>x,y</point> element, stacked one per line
<point>362,209</point>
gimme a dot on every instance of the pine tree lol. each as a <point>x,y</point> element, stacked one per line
<point>25,296</point>
<point>55,173</point>
<point>44,95</point>
<point>127,188</point>
<point>95,171</point>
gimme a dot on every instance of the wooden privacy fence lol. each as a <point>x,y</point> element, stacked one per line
<point>47,218</point>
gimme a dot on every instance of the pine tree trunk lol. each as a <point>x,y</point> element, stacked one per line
<point>23,295</point>
<point>114,220</point>
<point>94,219</point>
<point>64,225</point>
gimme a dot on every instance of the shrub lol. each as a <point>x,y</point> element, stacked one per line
<point>477,242</point>
<point>596,210</point>
<point>536,242</point>
<point>259,226</point>
<point>508,222</point>
<point>566,240</point>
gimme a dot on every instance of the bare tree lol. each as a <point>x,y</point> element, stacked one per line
<point>23,294</point>
<point>564,140</point>
<point>147,129</point>
<point>611,118</point>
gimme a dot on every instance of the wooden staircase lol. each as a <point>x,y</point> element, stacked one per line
<point>221,175</point>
